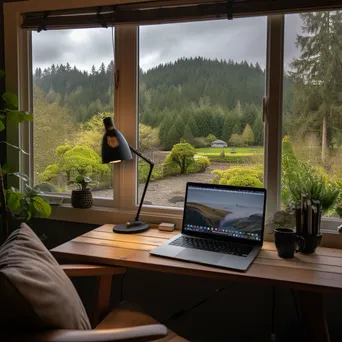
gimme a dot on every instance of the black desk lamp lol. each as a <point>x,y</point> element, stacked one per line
<point>115,149</point>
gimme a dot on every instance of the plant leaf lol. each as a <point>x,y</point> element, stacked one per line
<point>16,147</point>
<point>80,179</point>
<point>18,115</point>
<point>14,200</point>
<point>2,125</point>
<point>2,75</point>
<point>5,169</point>
<point>30,191</point>
<point>21,175</point>
<point>41,206</point>
<point>11,99</point>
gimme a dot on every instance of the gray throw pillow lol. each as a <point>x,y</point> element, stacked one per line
<point>35,293</point>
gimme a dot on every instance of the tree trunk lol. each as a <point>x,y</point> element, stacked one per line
<point>324,141</point>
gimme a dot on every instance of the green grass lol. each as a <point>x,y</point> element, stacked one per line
<point>238,150</point>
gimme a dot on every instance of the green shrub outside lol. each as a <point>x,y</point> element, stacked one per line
<point>244,180</point>
<point>252,175</point>
<point>198,142</point>
<point>180,158</point>
<point>234,158</point>
<point>200,165</point>
<point>144,169</point>
<point>46,187</point>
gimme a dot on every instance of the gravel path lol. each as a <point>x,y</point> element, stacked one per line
<point>161,191</point>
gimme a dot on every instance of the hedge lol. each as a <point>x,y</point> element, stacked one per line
<point>143,170</point>
<point>200,164</point>
<point>233,158</point>
<point>240,176</point>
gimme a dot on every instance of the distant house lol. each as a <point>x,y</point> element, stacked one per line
<point>218,143</point>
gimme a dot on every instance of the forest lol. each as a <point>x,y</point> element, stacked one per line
<point>198,100</point>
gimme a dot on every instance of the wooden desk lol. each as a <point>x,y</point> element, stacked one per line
<point>309,275</point>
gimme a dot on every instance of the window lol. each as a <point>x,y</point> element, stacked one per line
<point>73,90</point>
<point>201,86</point>
<point>312,125</point>
<point>240,45</point>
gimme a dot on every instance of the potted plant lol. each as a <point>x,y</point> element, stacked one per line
<point>82,197</point>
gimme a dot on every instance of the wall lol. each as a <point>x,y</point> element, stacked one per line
<point>242,312</point>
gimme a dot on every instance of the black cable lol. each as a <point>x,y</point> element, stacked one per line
<point>181,312</point>
<point>121,286</point>
<point>296,304</point>
<point>273,327</point>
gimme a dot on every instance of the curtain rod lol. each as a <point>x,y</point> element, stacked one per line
<point>168,12</point>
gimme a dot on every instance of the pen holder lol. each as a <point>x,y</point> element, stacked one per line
<point>311,242</point>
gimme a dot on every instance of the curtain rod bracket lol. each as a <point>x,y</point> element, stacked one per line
<point>230,10</point>
<point>101,21</point>
<point>42,26</point>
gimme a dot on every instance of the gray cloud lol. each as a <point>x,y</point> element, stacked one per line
<point>82,48</point>
<point>239,39</point>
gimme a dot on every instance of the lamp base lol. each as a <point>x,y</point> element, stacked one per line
<point>131,228</point>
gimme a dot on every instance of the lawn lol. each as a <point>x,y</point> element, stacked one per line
<point>228,150</point>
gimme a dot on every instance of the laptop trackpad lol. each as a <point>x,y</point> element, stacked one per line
<point>199,256</point>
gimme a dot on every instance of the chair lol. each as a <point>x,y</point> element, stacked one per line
<point>124,323</point>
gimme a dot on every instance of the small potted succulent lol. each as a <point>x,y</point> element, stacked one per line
<point>82,197</point>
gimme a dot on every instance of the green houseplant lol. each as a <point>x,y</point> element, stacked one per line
<point>82,197</point>
<point>17,204</point>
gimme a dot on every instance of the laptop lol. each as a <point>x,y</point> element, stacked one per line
<point>223,226</point>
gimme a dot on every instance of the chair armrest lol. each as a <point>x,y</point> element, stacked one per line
<point>137,334</point>
<point>81,270</point>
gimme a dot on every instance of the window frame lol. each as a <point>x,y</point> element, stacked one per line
<point>123,207</point>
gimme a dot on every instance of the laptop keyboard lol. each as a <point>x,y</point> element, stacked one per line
<point>212,246</point>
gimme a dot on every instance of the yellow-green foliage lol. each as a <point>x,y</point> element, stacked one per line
<point>180,158</point>
<point>200,164</point>
<point>242,176</point>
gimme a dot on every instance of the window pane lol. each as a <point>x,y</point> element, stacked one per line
<point>312,125</point>
<point>72,92</point>
<point>201,87</point>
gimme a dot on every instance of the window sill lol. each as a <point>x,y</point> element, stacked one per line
<point>102,215</point>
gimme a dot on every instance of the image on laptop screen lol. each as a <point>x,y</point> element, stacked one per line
<point>225,211</point>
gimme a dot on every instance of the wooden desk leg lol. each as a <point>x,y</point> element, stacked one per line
<point>102,299</point>
<point>311,307</point>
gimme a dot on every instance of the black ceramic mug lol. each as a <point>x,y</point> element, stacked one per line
<point>288,242</point>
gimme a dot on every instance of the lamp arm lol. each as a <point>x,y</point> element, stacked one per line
<point>151,163</point>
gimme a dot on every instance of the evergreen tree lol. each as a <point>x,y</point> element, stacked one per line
<point>102,69</point>
<point>237,127</point>
<point>247,136</point>
<point>317,72</point>
<point>165,127</point>
<point>193,125</point>
<point>258,129</point>
<point>235,140</point>
<point>53,70</point>
<point>187,135</point>
<point>173,137</point>
<point>228,125</point>
<point>179,125</point>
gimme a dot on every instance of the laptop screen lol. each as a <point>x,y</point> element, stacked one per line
<point>225,211</point>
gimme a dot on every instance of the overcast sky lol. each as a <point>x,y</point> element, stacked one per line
<point>238,39</point>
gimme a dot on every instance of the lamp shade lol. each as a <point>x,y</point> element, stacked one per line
<point>114,145</point>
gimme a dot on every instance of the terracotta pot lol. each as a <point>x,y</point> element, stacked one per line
<point>81,199</point>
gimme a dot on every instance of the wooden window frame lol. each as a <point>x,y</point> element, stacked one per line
<point>123,207</point>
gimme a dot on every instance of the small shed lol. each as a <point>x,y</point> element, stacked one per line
<point>219,143</point>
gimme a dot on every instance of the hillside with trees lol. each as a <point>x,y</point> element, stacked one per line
<point>194,99</point>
